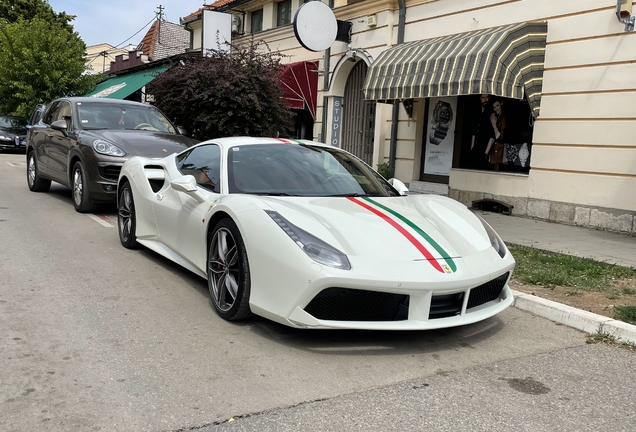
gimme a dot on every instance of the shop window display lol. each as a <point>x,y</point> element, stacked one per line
<point>496,134</point>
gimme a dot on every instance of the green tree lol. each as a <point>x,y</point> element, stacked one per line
<point>12,10</point>
<point>226,94</point>
<point>40,60</point>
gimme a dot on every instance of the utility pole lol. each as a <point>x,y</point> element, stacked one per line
<point>160,13</point>
<point>103,54</point>
<point>159,19</point>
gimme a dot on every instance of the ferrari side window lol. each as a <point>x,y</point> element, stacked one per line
<point>204,163</point>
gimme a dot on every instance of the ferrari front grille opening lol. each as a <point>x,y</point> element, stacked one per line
<point>344,304</point>
<point>487,292</point>
<point>444,306</point>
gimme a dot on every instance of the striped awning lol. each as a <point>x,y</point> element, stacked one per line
<point>503,61</point>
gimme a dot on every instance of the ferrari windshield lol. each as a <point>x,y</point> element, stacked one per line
<point>301,170</point>
<point>100,115</point>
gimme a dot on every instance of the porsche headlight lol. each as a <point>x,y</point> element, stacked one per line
<point>106,148</point>
<point>496,241</point>
<point>315,248</point>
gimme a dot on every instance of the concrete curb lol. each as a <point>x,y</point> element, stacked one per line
<point>575,318</point>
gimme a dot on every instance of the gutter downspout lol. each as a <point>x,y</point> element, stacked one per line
<point>396,104</point>
<point>325,88</point>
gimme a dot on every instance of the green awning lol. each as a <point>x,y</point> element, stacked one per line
<point>504,61</point>
<point>124,85</point>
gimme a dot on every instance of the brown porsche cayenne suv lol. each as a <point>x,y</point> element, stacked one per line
<point>82,143</point>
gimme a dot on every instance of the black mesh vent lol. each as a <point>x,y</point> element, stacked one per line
<point>110,171</point>
<point>156,185</point>
<point>343,304</point>
<point>487,292</point>
<point>443,306</point>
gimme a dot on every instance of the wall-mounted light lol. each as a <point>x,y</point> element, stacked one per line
<point>624,14</point>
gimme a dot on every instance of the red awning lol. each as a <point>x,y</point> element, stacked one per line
<point>300,85</point>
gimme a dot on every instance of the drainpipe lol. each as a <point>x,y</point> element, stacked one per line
<point>396,104</point>
<point>325,88</point>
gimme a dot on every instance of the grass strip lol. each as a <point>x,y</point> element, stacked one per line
<point>549,269</point>
<point>625,313</point>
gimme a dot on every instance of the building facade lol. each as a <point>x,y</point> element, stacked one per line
<point>406,90</point>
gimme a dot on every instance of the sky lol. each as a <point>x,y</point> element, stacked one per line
<point>114,21</point>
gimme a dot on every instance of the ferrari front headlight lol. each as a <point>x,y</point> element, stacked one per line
<point>106,148</point>
<point>496,241</point>
<point>315,248</point>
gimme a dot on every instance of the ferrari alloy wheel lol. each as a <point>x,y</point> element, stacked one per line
<point>228,272</point>
<point>79,187</point>
<point>35,182</point>
<point>126,219</point>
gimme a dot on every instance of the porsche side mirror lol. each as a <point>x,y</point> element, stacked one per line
<point>399,186</point>
<point>60,125</point>
<point>182,131</point>
<point>187,184</point>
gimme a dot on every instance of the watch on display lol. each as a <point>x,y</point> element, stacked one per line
<point>442,118</point>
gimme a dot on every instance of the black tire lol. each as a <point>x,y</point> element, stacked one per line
<point>228,270</point>
<point>35,182</point>
<point>79,190</point>
<point>126,217</point>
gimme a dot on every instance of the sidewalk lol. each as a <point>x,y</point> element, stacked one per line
<point>604,246</point>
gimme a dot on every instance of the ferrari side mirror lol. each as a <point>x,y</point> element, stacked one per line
<point>187,184</point>
<point>399,186</point>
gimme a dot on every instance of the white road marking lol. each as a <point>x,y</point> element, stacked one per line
<point>102,220</point>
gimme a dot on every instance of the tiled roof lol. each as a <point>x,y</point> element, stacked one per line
<point>164,39</point>
<point>198,12</point>
<point>217,4</point>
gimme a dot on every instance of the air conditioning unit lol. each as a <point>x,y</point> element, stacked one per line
<point>237,24</point>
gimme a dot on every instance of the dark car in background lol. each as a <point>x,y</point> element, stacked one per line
<point>13,132</point>
<point>82,143</point>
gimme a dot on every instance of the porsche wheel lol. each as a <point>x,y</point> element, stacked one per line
<point>228,272</point>
<point>35,182</point>
<point>126,219</point>
<point>79,185</point>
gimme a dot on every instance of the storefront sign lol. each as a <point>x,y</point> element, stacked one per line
<point>440,135</point>
<point>336,124</point>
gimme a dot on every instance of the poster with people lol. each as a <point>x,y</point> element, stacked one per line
<point>497,134</point>
<point>440,136</point>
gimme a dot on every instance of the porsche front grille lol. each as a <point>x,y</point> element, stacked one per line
<point>110,172</point>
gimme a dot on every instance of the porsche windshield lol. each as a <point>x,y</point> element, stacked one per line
<point>100,115</point>
<point>301,170</point>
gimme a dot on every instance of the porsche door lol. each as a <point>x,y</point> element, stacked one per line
<point>180,216</point>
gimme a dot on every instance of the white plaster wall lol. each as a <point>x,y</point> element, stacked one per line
<point>585,138</point>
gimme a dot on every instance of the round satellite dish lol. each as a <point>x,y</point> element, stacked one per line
<point>315,26</point>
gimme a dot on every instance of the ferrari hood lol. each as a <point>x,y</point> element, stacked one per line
<point>143,143</point>
<point>420,227</point>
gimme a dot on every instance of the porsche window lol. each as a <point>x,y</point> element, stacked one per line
<point>204,163</point>
<point>99,115</point>
<point>301,170</point>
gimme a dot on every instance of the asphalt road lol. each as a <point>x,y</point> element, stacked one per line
<point>97,337</point>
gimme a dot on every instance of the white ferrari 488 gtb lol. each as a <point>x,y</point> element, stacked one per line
<point>309,236</point>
